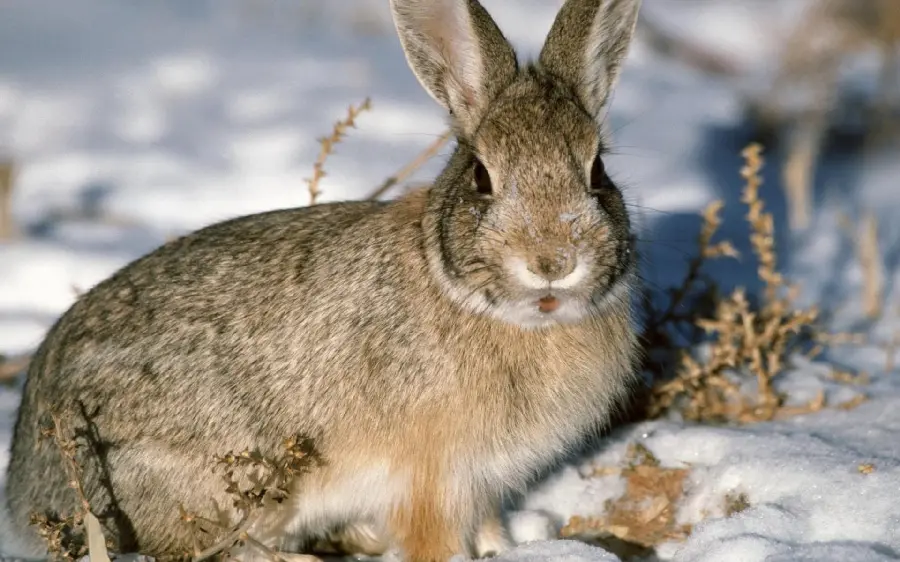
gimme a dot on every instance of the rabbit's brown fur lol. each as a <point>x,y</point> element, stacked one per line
<point>404,338</point>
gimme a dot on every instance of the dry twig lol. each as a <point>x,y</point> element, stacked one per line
<point>327,147</point>
<point>412,166</point>
<point>7,180</point>
<point>67,536</point>
<point>746,338</point>
<point>270,481</point>
<point>872,267</point>
<point>10,368</point>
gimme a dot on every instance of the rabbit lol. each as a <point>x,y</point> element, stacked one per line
<point>439,350</point>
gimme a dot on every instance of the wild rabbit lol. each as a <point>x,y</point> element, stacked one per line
<point>439,350</point>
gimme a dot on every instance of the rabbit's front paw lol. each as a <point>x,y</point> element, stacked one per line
<point>492,539</point>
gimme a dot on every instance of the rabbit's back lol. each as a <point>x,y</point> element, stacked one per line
<point>209,344</point>
<point>198,313</point>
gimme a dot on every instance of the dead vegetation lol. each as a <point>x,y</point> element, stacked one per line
<point>327,145</point>
<point>252,480</point>
<point>830,34</point>
<point>644,515</point>
<point>71,536</point>
<point>740,340</point>
<point>736,502</point>
<point>403,173</point>
<point>266,481</point>
<point>10,367</point>
<point>872,267</point>
<point>7,181</point>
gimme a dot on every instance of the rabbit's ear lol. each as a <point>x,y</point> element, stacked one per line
<point>457,52</point>
<point>587,44</point>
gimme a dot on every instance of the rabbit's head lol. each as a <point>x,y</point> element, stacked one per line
<point>524,224</point>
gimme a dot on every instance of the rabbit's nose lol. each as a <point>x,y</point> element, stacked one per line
<point>549,270</point>
<point>553,268</point>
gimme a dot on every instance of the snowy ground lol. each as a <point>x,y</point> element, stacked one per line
<point>133,122</point>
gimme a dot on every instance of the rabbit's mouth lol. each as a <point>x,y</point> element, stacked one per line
<point>548,307</point>
<point>548,304</point>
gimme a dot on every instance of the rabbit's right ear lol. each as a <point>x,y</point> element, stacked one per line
<point>457,52</point>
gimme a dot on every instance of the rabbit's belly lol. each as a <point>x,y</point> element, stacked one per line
<point>322,501</point>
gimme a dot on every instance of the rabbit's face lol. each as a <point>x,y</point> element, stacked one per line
<point>525,224</point>
<point>537,233</point>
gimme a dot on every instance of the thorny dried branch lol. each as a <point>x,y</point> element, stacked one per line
<point>65,535</point>
<point>7,182</point>
<point>328,143</point>
<point>253,481</point>
<point>412,166</point>
<point>744,338</point>
<point>872,267</point>
<point>10,368</point>
<point>691,298</point>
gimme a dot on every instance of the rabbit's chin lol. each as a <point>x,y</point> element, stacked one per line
<point>527,313</point>
<point>569,309</point>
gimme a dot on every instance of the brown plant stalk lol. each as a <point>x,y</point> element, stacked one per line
<point>327,145</point>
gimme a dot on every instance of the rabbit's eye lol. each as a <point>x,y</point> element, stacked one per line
<point>482,180</point>
<point>599,180</point>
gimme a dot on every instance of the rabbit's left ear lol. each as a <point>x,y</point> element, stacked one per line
<point>457,52</point>
<point>587,44</point>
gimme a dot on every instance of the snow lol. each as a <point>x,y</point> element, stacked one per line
<point>134,122</point>
<point>562,551</point>
<point>801,478</point>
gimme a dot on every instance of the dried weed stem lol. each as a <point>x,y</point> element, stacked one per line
<point>745,338</point>
<point>412,166</point>
<point>328,143</point>
<point>66,536</point>
<point>7,182</point>
<point>269,481</point>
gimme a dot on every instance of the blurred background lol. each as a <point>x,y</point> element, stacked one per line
<point>125,123</point>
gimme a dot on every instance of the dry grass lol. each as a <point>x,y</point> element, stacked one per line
<point>890,352</point>
<point>252,480</point>
<point>872,267</point>
<point>7,182</point>
<point>742,339</point>
<point>338,132</point>
<point>263,481</point>
<point>736,502</point>
<point>668,327</point>
<point>830,34</point>
<point>413,165</point>
<point>644,516</point>
<point>78,534</point>
<point>10,368</point>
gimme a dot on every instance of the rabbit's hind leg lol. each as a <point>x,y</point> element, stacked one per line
<point>358,538</point>
<point>492,538</point>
